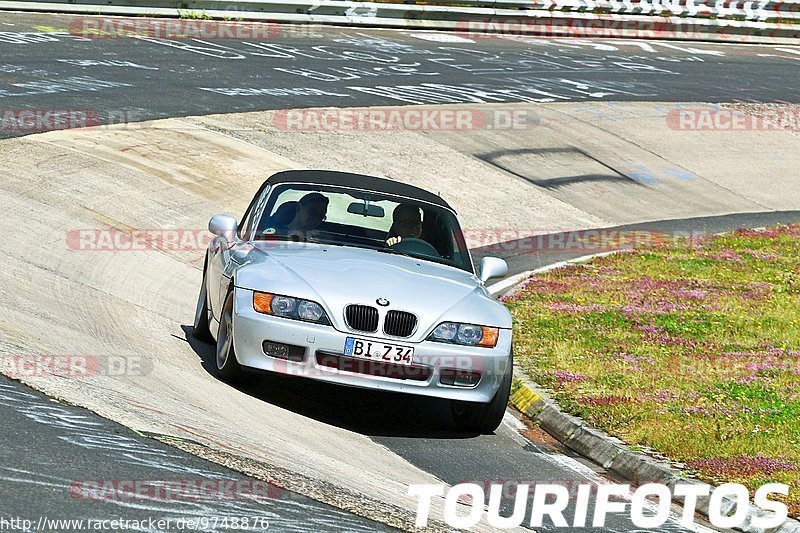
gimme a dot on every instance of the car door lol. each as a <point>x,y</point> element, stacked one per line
<point>222,254</point>
<point>216,266</point>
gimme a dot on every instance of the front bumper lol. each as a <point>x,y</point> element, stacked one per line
<point>323,360</point>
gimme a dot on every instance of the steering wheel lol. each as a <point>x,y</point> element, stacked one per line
<point>418,247</point>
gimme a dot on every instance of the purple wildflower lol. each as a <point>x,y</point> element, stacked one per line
<point>603,401</point>
<point>662,396</point>
<point>760,255</point>
<point>563,376</point>
<point>744,466</point>
<point>725,255</point>
<point>607,271</point>
<point>697,409</point>
<point>575,308</point>
<point>693,294</point>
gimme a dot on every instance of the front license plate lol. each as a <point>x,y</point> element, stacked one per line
<point>379,351</point>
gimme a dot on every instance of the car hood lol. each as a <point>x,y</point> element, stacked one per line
<point>337,276</point>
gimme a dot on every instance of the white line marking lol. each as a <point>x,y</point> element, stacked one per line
<point>440,37</point>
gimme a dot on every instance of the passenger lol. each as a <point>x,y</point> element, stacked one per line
<point>311,212</point>
<point>284,214</point>
<point>298,218</point>
<point>406,224</point>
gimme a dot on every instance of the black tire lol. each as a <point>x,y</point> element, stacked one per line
<point>225,363</point>
<point>484,418</point>
<point>201,330</point>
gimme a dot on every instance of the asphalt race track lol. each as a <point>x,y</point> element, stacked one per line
<point>138,79</point>
<point>101,450</point>
<point>42,66</point>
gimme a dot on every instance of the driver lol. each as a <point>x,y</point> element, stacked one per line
<point>406,224</point>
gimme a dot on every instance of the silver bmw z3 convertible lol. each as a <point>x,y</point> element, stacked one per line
<point>359,281</point>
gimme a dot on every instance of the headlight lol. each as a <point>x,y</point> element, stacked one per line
<point>284,306</point>
<point>465,334</point>
<point>445,332</point>
<point>469,334</point>
<point>288,307</point>
<point>310,311</point>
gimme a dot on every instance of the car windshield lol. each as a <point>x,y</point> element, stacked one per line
<point>351,217</point>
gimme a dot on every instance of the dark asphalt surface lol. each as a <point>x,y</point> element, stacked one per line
<point>45,66</point>
<point>132,80</point>
<point>62,463</point>
<point>527,254</point>
<point>421,431</point>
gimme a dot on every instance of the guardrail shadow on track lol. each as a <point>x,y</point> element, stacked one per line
<point>371,413</point>
<point>507,160</point>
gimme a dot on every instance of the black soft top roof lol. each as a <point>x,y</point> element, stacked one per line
<point>359,181</point>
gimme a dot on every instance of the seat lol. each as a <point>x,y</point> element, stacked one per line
<point>281,218</point>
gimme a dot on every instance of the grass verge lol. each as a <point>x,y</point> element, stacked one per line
<point>690,348</point>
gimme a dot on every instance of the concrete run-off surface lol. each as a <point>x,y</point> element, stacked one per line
<point>557,166</point>
<point>59,299</point>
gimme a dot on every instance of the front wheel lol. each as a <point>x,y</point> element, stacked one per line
<point>201,330</point>
<point>484,418</point>
<point>227,367</point>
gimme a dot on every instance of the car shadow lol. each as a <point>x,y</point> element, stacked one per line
<point>371,413</point>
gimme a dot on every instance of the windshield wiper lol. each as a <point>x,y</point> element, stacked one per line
<point>388,250</point>
<point>272,237</point>
<point>437,260</point>
<point>288,238</point>
<point>305,239</point>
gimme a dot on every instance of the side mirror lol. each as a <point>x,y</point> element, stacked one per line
<point>493,267</point>
<point>223,226</point>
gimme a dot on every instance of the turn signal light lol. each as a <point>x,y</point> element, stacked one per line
<point>262,302</point>
<point>489,338</point>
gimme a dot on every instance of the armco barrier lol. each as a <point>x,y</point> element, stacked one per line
<point>699,20</point>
